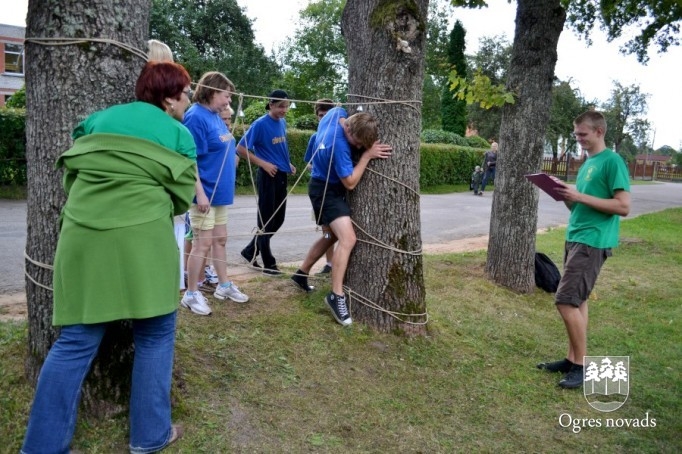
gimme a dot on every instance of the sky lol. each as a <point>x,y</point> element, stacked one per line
<point>592,70</point>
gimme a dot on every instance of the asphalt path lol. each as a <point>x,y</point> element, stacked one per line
<point>444,217</point>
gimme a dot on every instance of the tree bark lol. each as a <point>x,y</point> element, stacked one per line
<point>513,223</point>
<point>386,46</point>
<point>64,84</point>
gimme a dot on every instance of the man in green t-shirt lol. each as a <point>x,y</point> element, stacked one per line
<point>600,197</point>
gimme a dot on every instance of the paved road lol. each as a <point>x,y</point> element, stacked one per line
<point>444,218</point>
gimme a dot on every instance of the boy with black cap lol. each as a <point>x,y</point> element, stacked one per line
<point>265,144</point>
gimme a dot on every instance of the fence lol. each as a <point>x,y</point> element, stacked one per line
<point>567,169</point>
<point>655,171</point>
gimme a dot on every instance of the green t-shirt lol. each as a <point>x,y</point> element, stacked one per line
<point>600,176</point>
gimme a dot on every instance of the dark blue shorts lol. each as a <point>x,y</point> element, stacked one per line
<point>329,201</point>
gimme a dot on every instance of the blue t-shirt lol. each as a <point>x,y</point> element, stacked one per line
<point>333,159</point>
<point>310,150</point>
<point>215,154</point>
<point>267,138</point>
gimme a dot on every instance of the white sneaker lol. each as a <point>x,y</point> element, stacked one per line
<point>195,303</point>
<point>232,292</point>
<point>210,275</point>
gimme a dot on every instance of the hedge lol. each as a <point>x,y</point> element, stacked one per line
<point>440,163</point>
<point>12,147</point>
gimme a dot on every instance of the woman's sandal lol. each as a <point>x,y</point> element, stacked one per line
<point>176,434</point>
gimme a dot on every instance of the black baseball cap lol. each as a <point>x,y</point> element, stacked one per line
<point>276,96</point>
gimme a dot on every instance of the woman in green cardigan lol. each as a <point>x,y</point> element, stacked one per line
<point>131,168</point>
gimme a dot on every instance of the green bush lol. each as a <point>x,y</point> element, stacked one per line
<point>308,122</point>
<point>18,99</point>
<point>253,112</point>
<point>12,147</point>
<point>440,136</point>
<point>447,164</point>
<point>477,142</point>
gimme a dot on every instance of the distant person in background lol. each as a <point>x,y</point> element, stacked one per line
<point>265,144</point>
<point>158,51</point>
<point>476,178</point>
<point>489,165</point>
<point>322,106</point>
<point>118,261</point>
<point>600,197</point>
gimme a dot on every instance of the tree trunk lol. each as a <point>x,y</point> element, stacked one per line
<point>64,84</point>
<point>513,223</point>
<point>386,45</point>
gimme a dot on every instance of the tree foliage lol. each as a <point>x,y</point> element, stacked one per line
<point>658,22</point>
<point>624,113</point>
<point>436,64</point>
<point>454,109</point>
<point>491,60</point>
<point>314,62</point>
<point>214,35</point>
<point>567,104</point>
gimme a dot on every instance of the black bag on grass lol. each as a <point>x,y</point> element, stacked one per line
<point>547,274</point>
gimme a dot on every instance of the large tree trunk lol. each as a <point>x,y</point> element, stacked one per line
<point>513,222</point>
<point>64,84</point>
<point>386,42</point>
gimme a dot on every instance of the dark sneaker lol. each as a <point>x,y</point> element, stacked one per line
<point>300,279</point>
<point>337,304</point>
<point>253,261</point>
<point>326,270</point>
<point>563,366</point>
<point>206,286</point>
<point>271,270</point>
<point>573,379</point>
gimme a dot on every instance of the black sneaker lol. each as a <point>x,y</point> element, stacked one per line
<point>300,279</point>
<point>271,270</point>
<point>563,366</point>
<point>206,286</point>
<point>253,261</point>
<point>337,304</point>
<point>326,270</point>
<point>574,378</point>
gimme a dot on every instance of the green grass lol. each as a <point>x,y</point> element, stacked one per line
<point>278,375</point>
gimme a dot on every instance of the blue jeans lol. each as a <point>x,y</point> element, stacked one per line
<point>53,416</point>
<point>489,173</point>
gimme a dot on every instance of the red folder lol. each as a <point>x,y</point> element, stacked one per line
<point>547,184</point>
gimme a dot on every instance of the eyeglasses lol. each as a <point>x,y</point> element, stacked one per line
<point>188,93</point>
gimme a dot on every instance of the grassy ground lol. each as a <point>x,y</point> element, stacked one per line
<point>278,375</point>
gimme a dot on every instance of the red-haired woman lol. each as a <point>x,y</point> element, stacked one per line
<point>131,168</point>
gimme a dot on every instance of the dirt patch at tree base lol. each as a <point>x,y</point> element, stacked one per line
<point>13,306</point>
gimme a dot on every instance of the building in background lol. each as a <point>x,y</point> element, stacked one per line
<point>11,60</point>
